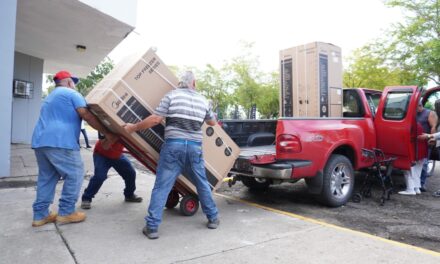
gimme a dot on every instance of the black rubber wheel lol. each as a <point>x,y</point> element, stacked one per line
<point>338,181</point>
<point>357,198</point>
<point>173,199</point>
<point>189,205</point>
<point>258,184</point>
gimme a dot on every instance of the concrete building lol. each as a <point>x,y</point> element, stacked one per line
<point>45,36</point>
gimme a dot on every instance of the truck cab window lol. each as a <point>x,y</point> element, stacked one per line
<point>373,102</point>
<point>352,106</point>
<point>396,105</point>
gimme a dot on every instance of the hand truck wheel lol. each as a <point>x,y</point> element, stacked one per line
<point>189,205</point>
<point>173,199</point>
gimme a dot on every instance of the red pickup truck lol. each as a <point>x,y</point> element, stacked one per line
<point>326,151</point>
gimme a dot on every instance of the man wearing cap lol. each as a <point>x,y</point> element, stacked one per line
<point>185,111</point>
<point>56,145</point>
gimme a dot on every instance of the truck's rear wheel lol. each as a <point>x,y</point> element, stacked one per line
<point>338,181</point>
<point>260,184</point>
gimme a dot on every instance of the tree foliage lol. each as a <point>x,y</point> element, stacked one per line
<point>408,54</point>
<point>415,44</point>
<point>212,83</point>
<point>85,85</point>
<point>371,71</point>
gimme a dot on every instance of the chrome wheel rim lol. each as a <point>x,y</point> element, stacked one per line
<point>340,181</point>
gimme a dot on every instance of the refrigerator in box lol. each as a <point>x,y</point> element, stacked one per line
<point>131,92</point>
<point>311,81</point>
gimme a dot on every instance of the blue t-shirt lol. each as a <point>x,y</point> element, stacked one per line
<point>59,123</point>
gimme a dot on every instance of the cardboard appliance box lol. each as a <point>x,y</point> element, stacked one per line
<point>311,81</point>
<point>131,92</point>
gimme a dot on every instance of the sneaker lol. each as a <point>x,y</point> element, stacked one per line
<point>436,194</point>
<point>86,204</point>
<point>213,224</point>
<point>52,217</point>
<point>150,233</point>
<point>408,192</point>
<point>422,189</point>
<point>133,199</point>
<point>74,217</point>
<point>417,190</point>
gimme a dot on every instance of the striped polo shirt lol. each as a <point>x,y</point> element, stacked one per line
<point>185,111</point>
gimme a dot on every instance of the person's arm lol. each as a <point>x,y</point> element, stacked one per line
<point>86,115</point>
<point>148,122</point>
<point>432,119</point>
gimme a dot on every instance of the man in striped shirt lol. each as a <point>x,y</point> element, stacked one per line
<point>185,110</point>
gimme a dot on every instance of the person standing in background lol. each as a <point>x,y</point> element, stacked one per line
<point>428,120</point>
<point>84,132</point>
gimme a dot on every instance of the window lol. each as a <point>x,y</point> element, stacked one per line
<point>352,106</point>
<point>396,105</point>
<point>23,89</point>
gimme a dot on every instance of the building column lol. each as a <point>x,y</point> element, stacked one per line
<point>7,46</point>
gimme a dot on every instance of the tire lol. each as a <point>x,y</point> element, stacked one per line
<point>173,199</point>
<point>189,205</point>
<point>259,184</point>
<point>338,181</point>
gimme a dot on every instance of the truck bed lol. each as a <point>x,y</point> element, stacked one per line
<point>249,152</point>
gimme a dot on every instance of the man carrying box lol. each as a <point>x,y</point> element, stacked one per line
<point>185,111</point>
<point>104,159</point>
<point>55,141</point>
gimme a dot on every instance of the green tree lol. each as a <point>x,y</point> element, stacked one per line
<point>369,70</point>
<point>268,97</point>
<point>244,78</point>
<point>211,83</point>
<point>85,85</point>
<point>415,44</point>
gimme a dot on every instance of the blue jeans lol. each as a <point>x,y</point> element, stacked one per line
<point>177,157</point>
<point>54,164</point>
<point>424,173</point>
<point>102,166</point>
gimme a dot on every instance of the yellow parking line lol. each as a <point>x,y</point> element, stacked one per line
<point>311,220</point>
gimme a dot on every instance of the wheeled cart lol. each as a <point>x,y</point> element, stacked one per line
<point>189,201</point>
<point>381,172</point>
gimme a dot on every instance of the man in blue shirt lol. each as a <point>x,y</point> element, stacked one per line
<point>56,146</point>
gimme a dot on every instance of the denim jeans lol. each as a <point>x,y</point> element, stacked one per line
<point>102,166</point>
<point>424,173</point>
<point>177,158</point>
<point>55,164</point>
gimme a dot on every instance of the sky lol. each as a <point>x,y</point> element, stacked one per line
<point>197,32</point>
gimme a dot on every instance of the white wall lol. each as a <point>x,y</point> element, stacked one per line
<point>25,111</point>
<point>124,11</point>
<point>8,12</point>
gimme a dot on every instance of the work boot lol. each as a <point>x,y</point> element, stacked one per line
<point>133,199</point>
<point>52,217</point>
<point>213,223</point>
<point>86,204</point>
<point>408,192</point>
<point>74,217</point>
<point>150,232</point>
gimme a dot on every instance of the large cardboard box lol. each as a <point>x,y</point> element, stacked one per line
<point>131,92</point>
<point>311,81</point>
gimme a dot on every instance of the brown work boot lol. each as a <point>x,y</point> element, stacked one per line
<point>74,217</point>
<point>52,217</point>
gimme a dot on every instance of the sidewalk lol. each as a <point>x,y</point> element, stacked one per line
<point>247,234</point>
